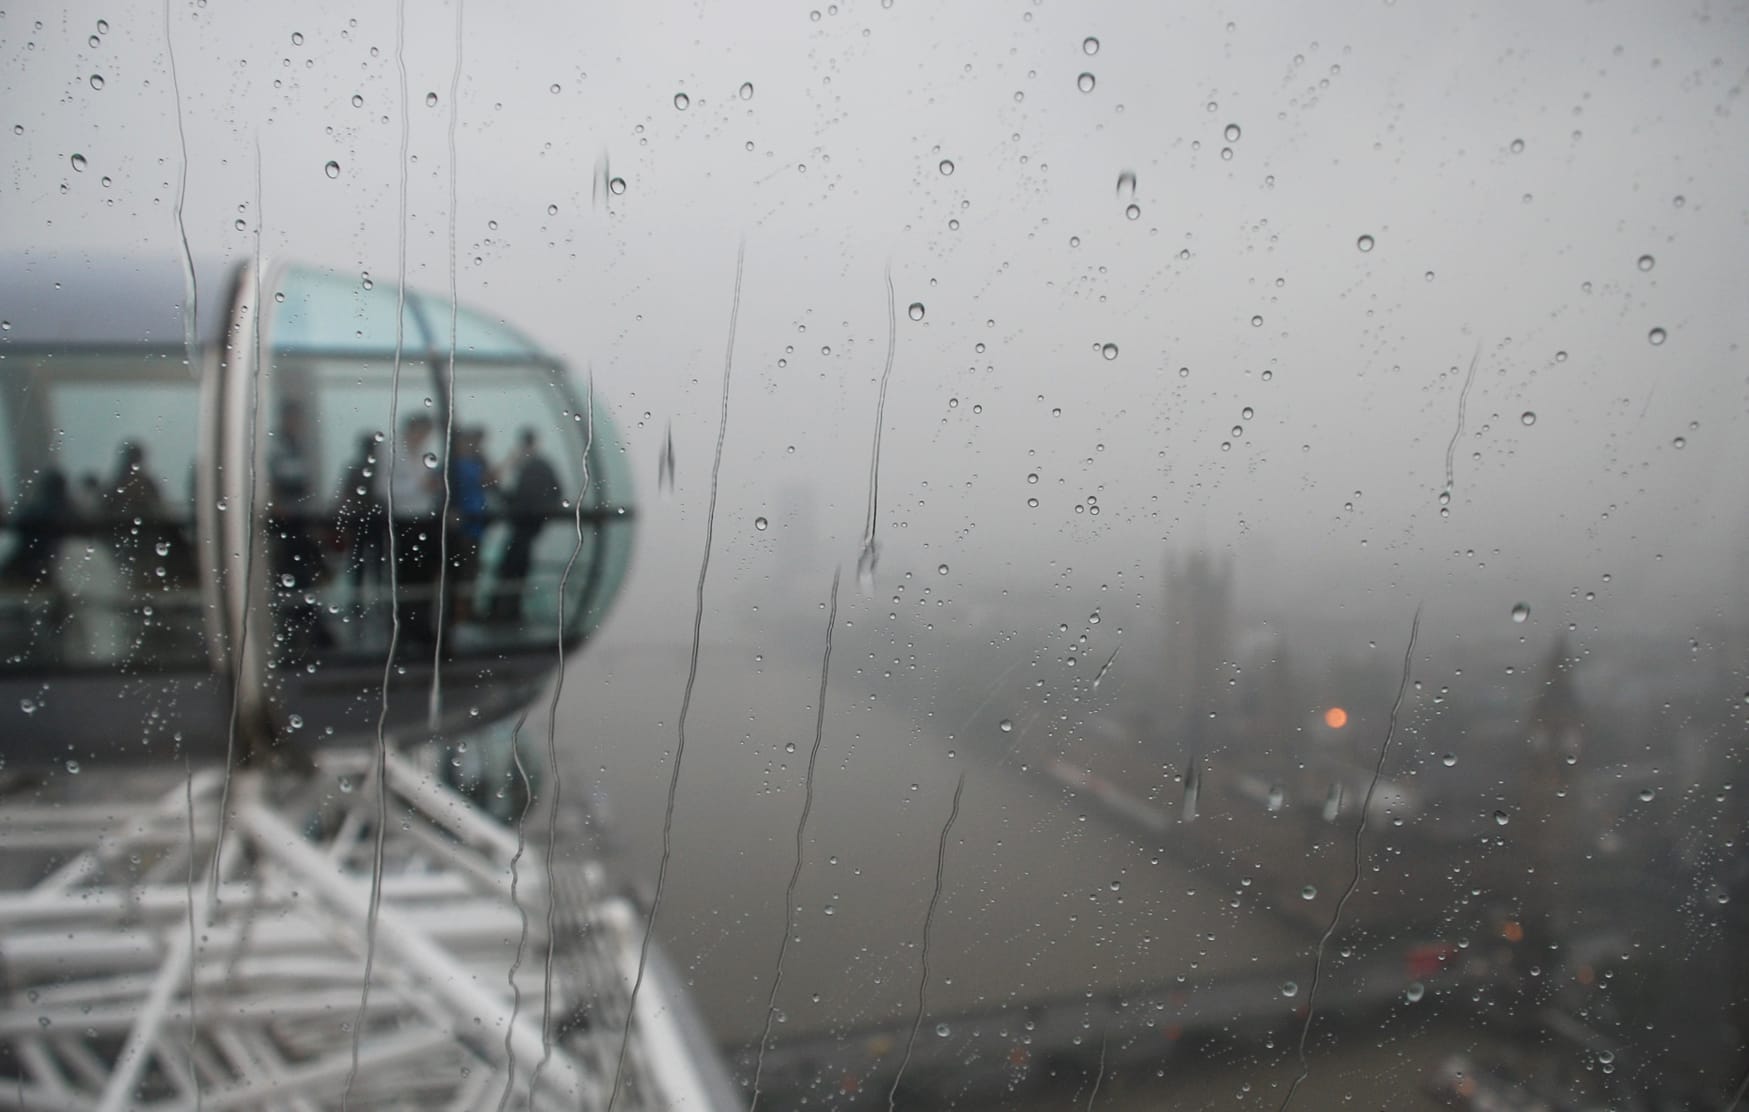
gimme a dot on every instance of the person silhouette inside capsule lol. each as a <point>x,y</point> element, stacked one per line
<point>415,500</point>
<point>296,553</point>
<point>470,479</point>
<point>534,497</point>
<point>361,524</point>
<point>41,521</point>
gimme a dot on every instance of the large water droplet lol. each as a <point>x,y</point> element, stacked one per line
<point>72,766</point>
<point>97,81</point>
<point>866,562</point>
<point>1655,337</point>
<point>1090,46</point>
<point>1528,417</point>
<point>665,463</point>
<point>1108,350</point>
<point>682,101</point>
<point>332,169</point>
<point>616,186</point>
<point>1085,83</point>
<point>1521,613</point>
<point>1647,262</point>
<point>1679,443</point>
<point>1364,243</point>
<point>915,312</point>
<point>1288,988</point>
<point>430,461</point>
<point>358,101</point>
<point>746,90</point>
<point>1133,212</point>
<point>1309,892</point>
<point>1006,726</point>
<point>1501,818</point>
<point>1192,790</point>
<point>1126,183</point>
<point>946,167</point>
<point>761,524</point>
<point>1415,992</point>
<point>78,161</point>
<point>942,570</point>
<point>1232,133</point>
<point>1448,760</point>
<point>1518,146</point>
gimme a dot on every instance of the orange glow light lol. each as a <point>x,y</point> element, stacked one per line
<point>1335,718</point>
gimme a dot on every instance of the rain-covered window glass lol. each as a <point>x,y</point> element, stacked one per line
<point>877,554</point>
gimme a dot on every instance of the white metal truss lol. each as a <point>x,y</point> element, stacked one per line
<point>133,976</point>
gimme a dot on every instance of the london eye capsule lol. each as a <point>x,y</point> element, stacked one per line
<point>327,506</point>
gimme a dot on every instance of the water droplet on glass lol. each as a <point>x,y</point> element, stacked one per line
<point>1232,133</point>
<point>1521,613</point>
<point>552,210</point>
<point>941,1030</point>
<point>97,81</point>
<point>1257,322</point>
<point>72,766</point>
<point>1527,417</point>
<point>1655,337</point>
<point>1679,443</point>
<point>332,169</point>
<point>946,167</point>
<point>1276,799</point>
<point>430,461</point>
<point>746,90</point>
<point>761,524</point>
<point>1309,892</point>
<point>1109,351</point>
<point>942,570</point>
<point>1647,262</point>
<point>682,101</point>
<point>1133,212</point>
<point>357,101</point>
<point>1006,726</point>
<point>1518,146</point>
<point>1085,83</point>
<point>1364,243</point>
<point>915,312</point>
<point>78,161</point>
<point>1090,46</point>
<point>1288,988</point>
<point>1448,760</point>
<point>616,186</point>
<point>1501,818</point>
<point>1126,183</point>
<point>297,38</point>
<point>1415,992</point>
<point>28,706</point>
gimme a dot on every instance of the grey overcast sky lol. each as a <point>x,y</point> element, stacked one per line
<point>1276,390</point>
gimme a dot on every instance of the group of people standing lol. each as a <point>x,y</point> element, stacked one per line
<point>376,503</point>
